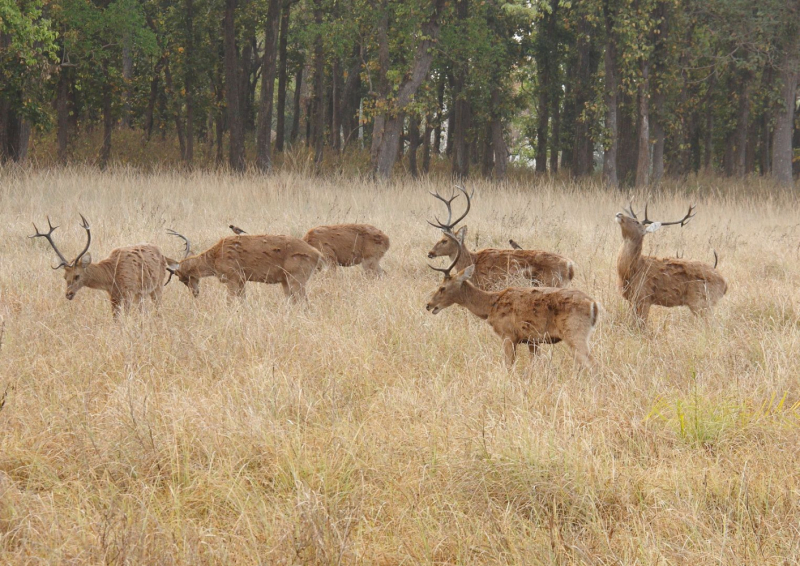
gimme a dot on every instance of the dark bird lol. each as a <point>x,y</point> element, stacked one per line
<point>236,230</point>
<point>515,245</point>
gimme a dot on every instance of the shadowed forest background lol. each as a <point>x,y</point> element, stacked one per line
<point>638,89</point>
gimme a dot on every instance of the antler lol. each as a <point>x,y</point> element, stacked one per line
<point>187,247</point>
<point>448,226</point>
<point>455,261</point>
<point>49,238</point>
<point>646,220</point>
<point>85,226</point>
<point>683,221</point>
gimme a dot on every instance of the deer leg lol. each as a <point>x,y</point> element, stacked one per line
<point>297,292</point>
<point>155,296</point>
<point>510,350</point>
<point>116,305</point>
<point>373,267</point>
<point>533,347</point>
<point>641,311</point>
<point>580,350</point>
<point>235,288</point>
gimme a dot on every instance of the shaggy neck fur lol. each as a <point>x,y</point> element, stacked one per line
<point>478,302</point>
<point>198,265</point>
<point>629,258</point>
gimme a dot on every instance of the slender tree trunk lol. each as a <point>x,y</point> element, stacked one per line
<point>296,110</point>
<point>176,111</point>
<point>437,131</point>
<point>610,98</point>
<point>742,124</point>
<point>413,144</point>
<point>280,126</point>
<point>643,162</point>
<point>426,145</point>
<point>351,98</point>
<point>263,141</point>
<point>708,138</point>
<point>152,98</point>
<point>499,146</point>
<point>108,120</point>
<point>461,106</point>
<point>62,113</point>
<point>188,82</point>
<point>784,121</point>
<point>582,158</point>
<point>127,78</point>
<point>659,136</point>
<point>543,117</point>
<point>319,89</point>
<point>627,157</point>
<point>555,138</point>
<point>383,82</point>
<point>233,95</point>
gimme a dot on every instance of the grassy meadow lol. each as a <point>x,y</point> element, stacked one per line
<point>361,429</point>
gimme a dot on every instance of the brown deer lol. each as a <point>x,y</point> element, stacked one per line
<point>645,281</point>
<point>523,315</point>
<point>350,244</point>
<point>235,260</point>
<point>128,274</point>
<point>493,267</point>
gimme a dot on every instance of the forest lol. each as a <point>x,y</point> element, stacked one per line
<point>640,89</point>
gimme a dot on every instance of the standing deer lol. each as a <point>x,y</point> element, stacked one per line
<point>350,244</point>
<point>235,260</point>
<point>128,274</point>
<point>493,267</point>
<point>523,315</point>
<point>645,281</point>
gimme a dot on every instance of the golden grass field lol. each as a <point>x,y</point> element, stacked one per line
<point>360,429</point>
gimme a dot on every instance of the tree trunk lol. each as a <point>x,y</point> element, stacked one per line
<point>742,124</point>
<point>461,106</point>
<point>319,89</point>
<point>127,78</point>
<point>437,131</point>
<point>610,99</point>
<point>708,138</point>
<point>658,135</point>
<point>784,120</point>
<point>176,110</point>
<point>498,141</point>
<point>296,110</point>
<point>108,120</point>
<point>62,113</point>
<point>555,138</point>
<point>233,95</point>
<point>413,144</point>
<point>280,126</point>
<point>263,141</point>
<point>351,98</point>
<point>426,145</point>
<point>151,99</point>
<point>383,81</point>
<point>643,129</point>
<point>543,115</point>
<point>582,158</point>
<point>419,71</point>
<point>188,82</point>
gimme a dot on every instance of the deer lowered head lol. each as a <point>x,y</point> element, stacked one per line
<point>185,269</point>
<point>75,270</point>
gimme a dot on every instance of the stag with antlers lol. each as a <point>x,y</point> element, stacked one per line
<point>128,274</point>
<point>494,267</point>
<point>645,281</point>
<point>235,260</point>
<point>523,315</point>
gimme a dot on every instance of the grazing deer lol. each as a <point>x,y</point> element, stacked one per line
<point>645,281</point>
<point>350,244</point>
<point>128,274</point>
<point>493,267</point>
<point>523,315</point>
<point>235,260</point>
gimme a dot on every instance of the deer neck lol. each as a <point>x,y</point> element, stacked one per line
<point>199,265</point>
<point>479,302</point>
<point>629,257</point>
<point>99,276</point>
<point>466,258</point>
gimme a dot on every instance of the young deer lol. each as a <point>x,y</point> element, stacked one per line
<point>235,260</point>
<point>523,315</point>
<point>128,274</point>
<point>493,267</point>
<point>645,281</point>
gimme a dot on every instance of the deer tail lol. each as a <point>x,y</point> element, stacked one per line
<point>594,311</point>
<point>570,271</point>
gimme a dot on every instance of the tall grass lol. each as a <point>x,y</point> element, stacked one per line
<point>361,429</point>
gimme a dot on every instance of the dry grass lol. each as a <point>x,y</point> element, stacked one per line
<point>361,429</point>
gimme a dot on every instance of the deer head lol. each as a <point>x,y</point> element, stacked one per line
<point>74,271</point>
<point>448,245</point>
<point>448,292</point>
<point>635,230</point>
<point>182,269</point>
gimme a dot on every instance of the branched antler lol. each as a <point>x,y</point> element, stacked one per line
<point>49,237</point>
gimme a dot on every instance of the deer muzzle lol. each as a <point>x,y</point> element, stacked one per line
<point>70,295</point>
<point>434,309</point>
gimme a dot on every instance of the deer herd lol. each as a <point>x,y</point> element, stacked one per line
<point>544,311</point>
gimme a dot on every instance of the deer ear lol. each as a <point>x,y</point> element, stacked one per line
<point>467,273</point>
<point>653,227</point>
<point>172,265</point>
<point>462,233</point>
<point>86,259</point>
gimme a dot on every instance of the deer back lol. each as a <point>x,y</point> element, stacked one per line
<point>348,244</point>
<point>131,270</point>
<point>264,258</point>
<point>494,267</point>
<point>672,282</point>
<point>543,314</point>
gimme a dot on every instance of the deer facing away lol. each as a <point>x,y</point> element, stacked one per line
<point>128,274</point>
<point>645,281</point>
<point>493,267</point>
<point>523,315</point>
<point>350,244</point>
<point>235,260</point>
